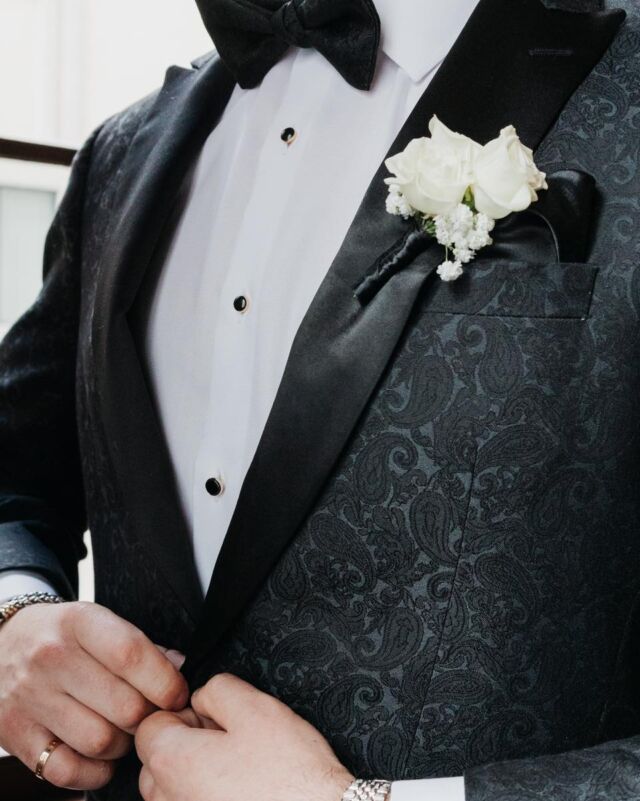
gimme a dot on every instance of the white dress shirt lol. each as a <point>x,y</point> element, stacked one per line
<point>263,221</point>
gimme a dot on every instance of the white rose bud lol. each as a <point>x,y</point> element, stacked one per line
<point>506,177</point>
<point>434,173</point>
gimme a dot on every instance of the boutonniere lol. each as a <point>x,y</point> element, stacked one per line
<point>455,189</point>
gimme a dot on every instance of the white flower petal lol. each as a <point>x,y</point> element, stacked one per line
<point>486,205</point>
<point>506,178</point>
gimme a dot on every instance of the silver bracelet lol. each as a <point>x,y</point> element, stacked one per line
<point>367,790</point>
<point>18,602</point>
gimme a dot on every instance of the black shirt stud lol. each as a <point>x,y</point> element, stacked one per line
<point>288,136</point>
<point>240,304</point>
<point>214,487</point>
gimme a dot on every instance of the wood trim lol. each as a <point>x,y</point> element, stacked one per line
<point>32,151</point>
<point>17,783</point>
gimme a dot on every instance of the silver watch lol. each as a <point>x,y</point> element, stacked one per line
<point>367,790</point>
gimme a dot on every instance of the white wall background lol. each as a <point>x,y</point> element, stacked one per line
<point>66,65</point>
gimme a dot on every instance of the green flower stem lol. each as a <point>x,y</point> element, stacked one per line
<point>469,200</point>
<point>429,226</point>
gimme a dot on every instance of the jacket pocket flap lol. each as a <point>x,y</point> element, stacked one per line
<point>516,289</point>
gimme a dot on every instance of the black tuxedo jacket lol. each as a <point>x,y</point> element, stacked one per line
<point>435,557</point>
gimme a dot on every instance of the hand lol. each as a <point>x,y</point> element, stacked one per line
<point>252,746</point>
<point>79,673</point>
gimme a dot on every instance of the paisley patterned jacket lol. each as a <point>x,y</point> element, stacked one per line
<point>435,557</point>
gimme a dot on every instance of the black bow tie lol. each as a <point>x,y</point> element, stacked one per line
<point>251,36</point>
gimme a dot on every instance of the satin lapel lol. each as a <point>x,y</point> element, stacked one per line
<point>515,63</point>
<point>168,141</point>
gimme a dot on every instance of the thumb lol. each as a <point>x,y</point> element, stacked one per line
<point>158,731</point>
<point>189,717</point>
<point>225,699</point>
<point>196,721</point>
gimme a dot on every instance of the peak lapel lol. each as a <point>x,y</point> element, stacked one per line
<point>515,63</point>
<point>168,141</point>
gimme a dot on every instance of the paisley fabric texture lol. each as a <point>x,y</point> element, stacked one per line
<point>463,596</point>
<point>602,773</point>
<point>166,623</point>
<point>463,591</point>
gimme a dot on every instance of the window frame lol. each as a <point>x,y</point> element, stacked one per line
<point>35,167</point>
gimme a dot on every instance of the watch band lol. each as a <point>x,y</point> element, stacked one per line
<point>18,602</point>
<point>367,790</point>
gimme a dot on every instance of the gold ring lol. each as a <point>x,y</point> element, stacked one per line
<point>44,758</point>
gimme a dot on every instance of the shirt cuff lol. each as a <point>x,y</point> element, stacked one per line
<point>21,582</point>
<point>449,789</point>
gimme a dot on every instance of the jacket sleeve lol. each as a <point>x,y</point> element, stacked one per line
<point>606,772</point>
<point>42,514</point>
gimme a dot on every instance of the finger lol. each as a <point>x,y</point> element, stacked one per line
<point>189,717</point>
<point>158,731</point>
<point>203,722</point>
<point>177,658</point>
<point>83,730</point>
<point>195,721</point>
<point>146,785</point>
<point>64,768</point>
<point>225,698</point>
<point>128,653</point>
<point>90,683</point>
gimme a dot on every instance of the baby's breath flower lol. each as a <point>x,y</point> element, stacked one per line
<point>462,217</point>
<point>450,270</point>
<point>484,223</point>
<point>397,203</point>
<point>464,254</point>
<point>444,231</point>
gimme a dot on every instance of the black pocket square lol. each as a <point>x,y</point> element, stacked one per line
<point>558,228</point>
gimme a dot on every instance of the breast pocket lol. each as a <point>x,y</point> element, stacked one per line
<point>517,289</point>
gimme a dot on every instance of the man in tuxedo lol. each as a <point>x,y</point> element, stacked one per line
<point>391,522</point>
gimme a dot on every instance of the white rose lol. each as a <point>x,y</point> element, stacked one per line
<point>506,177</point>
<point>434,173</point>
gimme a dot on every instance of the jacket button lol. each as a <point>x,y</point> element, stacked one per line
<point>214,487</point>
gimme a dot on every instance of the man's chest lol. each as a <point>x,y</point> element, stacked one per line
<point>261,218</point>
